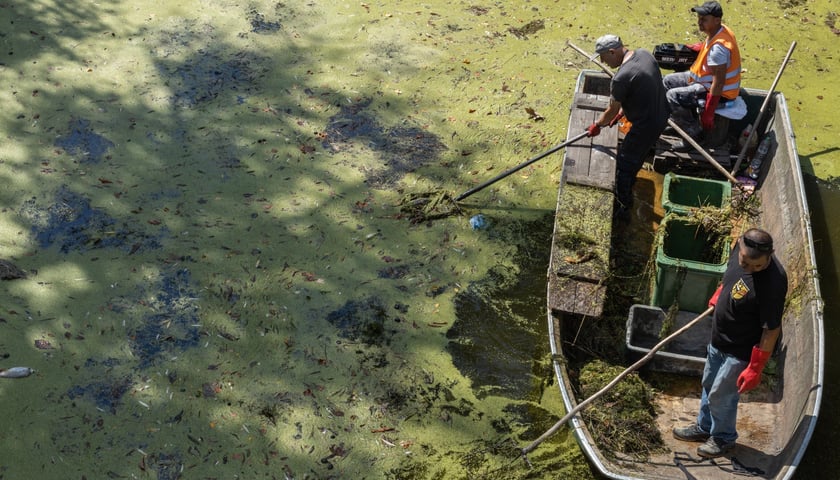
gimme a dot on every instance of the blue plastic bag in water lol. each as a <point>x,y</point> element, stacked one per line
<point>478,222</point>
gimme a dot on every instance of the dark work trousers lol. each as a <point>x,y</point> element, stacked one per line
<point>631,155</point>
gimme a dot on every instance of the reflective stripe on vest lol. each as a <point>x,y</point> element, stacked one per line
<point>699,71</point>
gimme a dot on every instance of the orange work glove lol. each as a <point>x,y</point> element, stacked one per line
<point>696,46</point>
<point>593,130</point>
<point>707,118</point>
<point>751,376</point>
<point>616,118</point>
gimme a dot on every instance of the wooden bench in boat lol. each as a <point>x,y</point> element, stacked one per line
<point>590,161</point>
<point>666,158</point>
<point>583,221</point>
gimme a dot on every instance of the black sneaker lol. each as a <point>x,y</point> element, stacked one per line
<point>714,448</point>
<point>691,433</point>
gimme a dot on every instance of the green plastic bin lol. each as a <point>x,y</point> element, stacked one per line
<point>681,193</point>
<point>688,265</point>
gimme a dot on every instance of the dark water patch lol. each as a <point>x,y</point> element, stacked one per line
<point>109,362</point>
<point>791,4</point>
<point>183,37</point>
<point>172,328</point>
<point>404,148</point>
<point>260,25</point>
<point>418,393</point>
<point>81,141</point>
<point>436,290</point>
<point>167,466</point>
<point>206,74</point>
<point>534,418</point>
<point>828,183</point>
<point>495,337</point>
<point>72,224</point>
<point>351,122</point>
<point>393,271</point>
<point>106,394</point>
<point>363,320</point>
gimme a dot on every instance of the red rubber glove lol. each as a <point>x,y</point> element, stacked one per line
<point>616,118</point>
<point>751,376</point>
<point>707,118</point>
<point>593,130</point>
<point>696,46</point>
<point>713,300</point>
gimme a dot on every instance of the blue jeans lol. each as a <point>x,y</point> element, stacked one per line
<point>719,402</point>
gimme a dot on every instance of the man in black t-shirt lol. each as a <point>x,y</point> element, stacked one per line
<point>636,92</point>
<point>747,322</point>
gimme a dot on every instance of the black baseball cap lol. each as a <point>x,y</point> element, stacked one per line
<point>709,8</point>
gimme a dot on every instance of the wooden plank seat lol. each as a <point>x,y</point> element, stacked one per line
<point>590,161</point>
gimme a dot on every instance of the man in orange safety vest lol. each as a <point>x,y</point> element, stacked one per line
<point>713,79</point>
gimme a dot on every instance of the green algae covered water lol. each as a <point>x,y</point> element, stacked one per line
<point>220,281</point>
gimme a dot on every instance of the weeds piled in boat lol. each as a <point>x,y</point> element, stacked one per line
<point>624,419</point>
<point>743,208</point>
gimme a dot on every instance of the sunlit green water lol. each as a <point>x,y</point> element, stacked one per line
<point>220,280</point>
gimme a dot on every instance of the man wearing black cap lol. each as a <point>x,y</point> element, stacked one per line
<point>748,305</point>
<point>714,78</point>
<point>637,92</point>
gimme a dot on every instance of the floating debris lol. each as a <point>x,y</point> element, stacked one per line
<point>10,271</point>
<point>421,207</point>
<point>16,372</point>
<point>478,222</point>
<point>528,29</point>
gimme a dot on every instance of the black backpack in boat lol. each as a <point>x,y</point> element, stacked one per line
<point>674,56</point>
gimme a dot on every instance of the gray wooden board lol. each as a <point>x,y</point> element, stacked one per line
<point>590,161</point>
<point>573,296</point>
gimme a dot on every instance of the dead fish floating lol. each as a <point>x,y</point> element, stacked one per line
<point>16,372</point>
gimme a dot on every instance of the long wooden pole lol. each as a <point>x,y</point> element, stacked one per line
<point>522,165</point>
<point>671,123</point>
<point>761,111</point>
<point>703,152</point>
<point>580,406</point>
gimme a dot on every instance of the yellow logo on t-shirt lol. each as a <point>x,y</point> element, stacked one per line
<point>739,290</point>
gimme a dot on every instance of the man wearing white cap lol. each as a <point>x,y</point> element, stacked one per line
<point>637,92</point>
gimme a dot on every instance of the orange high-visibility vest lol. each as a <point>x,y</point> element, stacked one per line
<point>699,71</point>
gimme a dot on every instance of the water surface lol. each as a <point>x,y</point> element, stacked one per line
<point>220,280</point>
